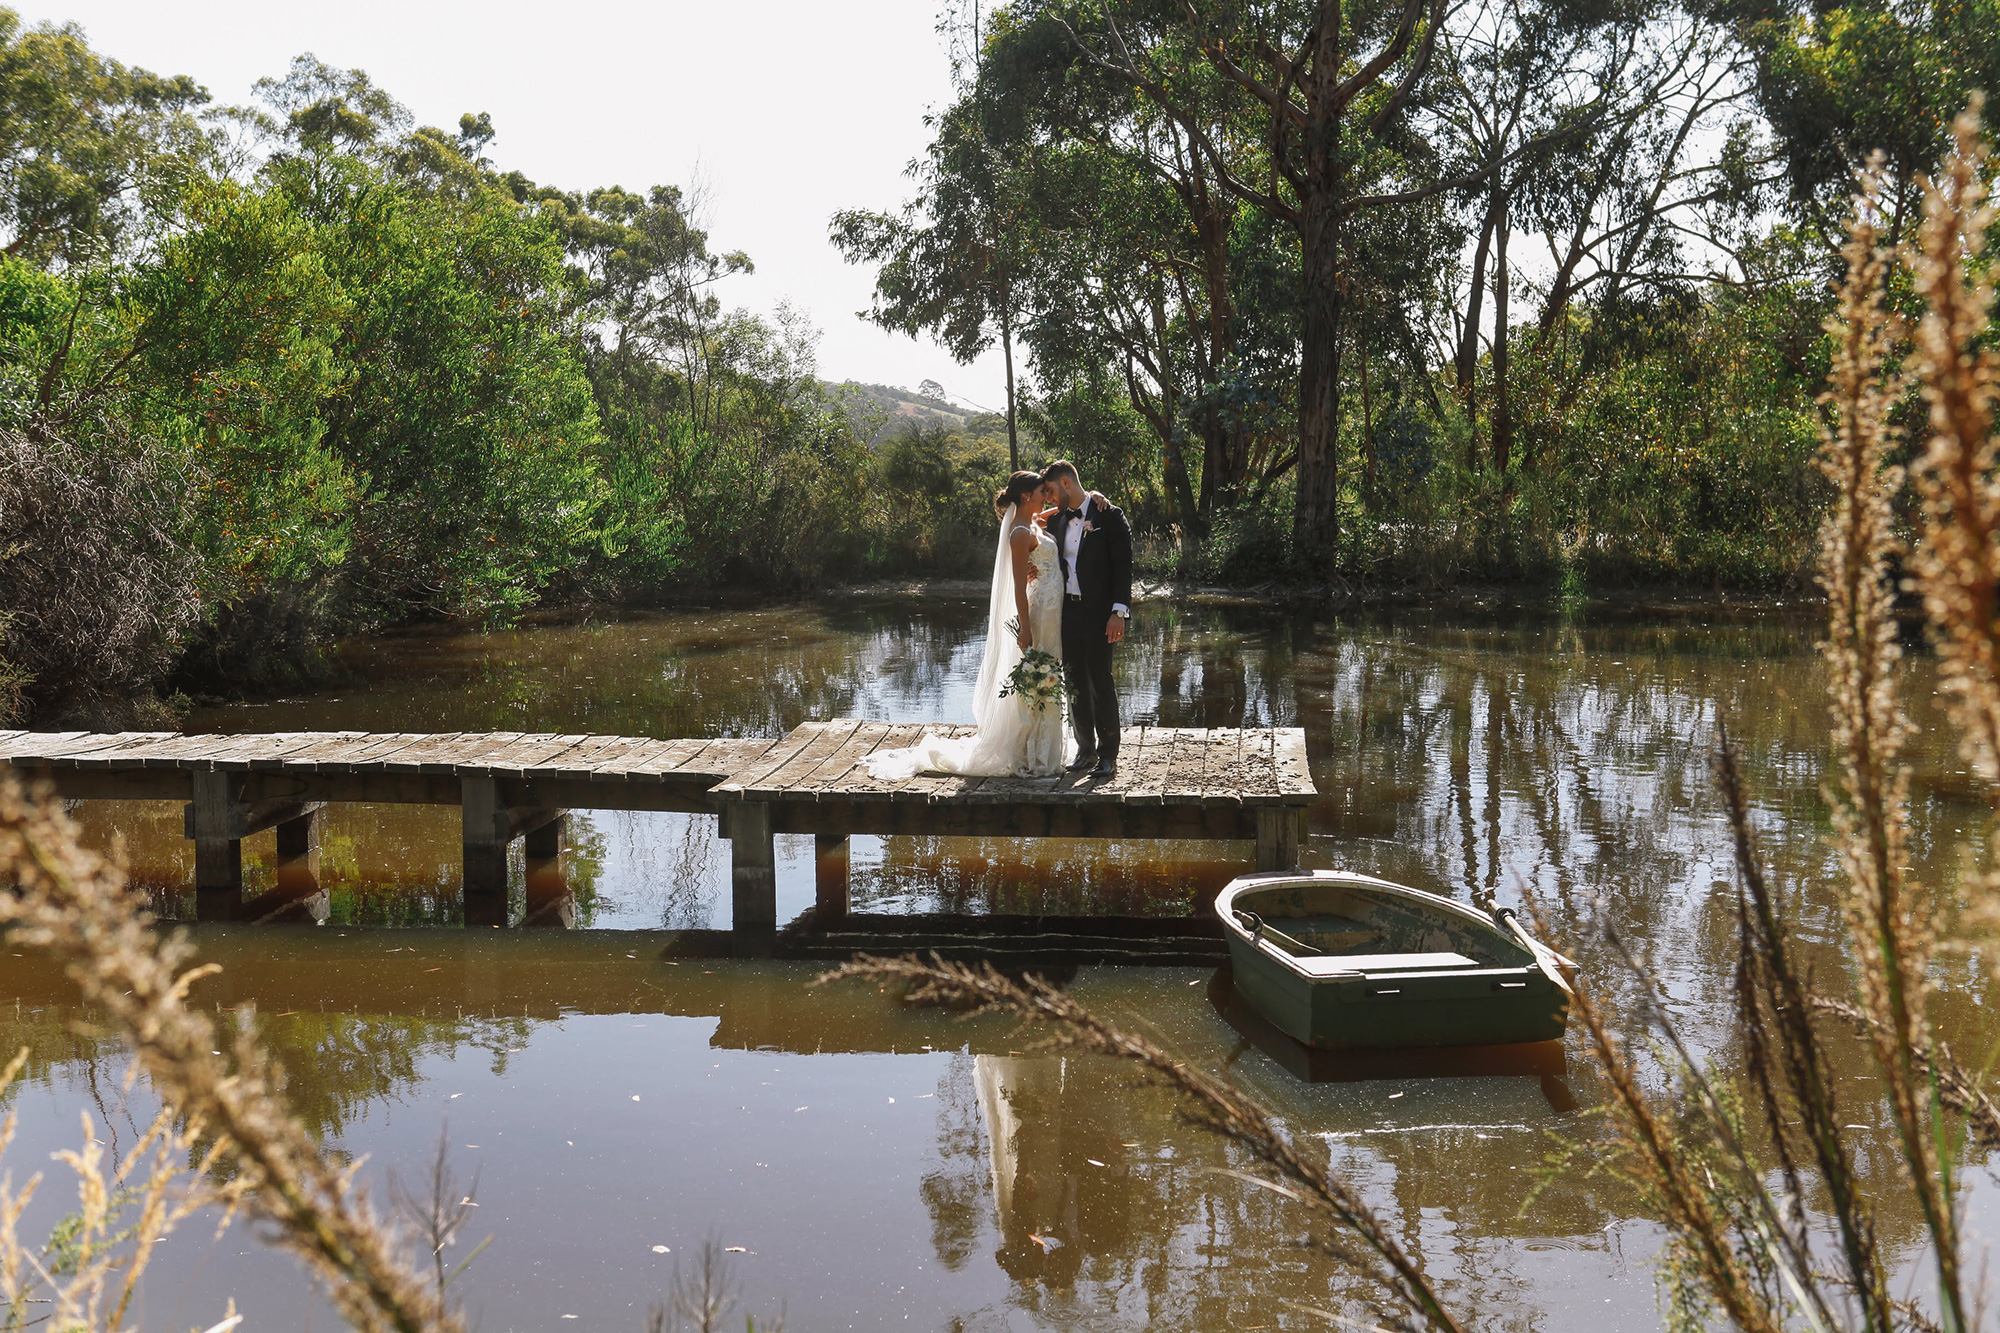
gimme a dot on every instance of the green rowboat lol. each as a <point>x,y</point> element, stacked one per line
<point>1343,961</point>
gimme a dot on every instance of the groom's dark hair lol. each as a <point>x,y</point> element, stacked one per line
<point>1062,467</point>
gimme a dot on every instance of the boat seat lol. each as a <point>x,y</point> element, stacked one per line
<point>1336,964</point>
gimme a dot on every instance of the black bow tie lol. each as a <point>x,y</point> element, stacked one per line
<point>1072,513</point>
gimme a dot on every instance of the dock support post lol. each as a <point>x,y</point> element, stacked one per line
<point>488,825</point>
<point>1278,837</point>
<point>544,842</point>
<point>486,834</point>
<point>218,819</point>
<point>550,902</point>
<point>830,881</point>
<point>299,835</point>
<point>753,878</point>
<point>214,819</point>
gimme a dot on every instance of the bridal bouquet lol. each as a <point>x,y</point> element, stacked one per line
<point>1037,677</point>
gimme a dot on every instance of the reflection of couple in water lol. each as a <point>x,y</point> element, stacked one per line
<point>1059,1184</point>
<point>1062,587</point>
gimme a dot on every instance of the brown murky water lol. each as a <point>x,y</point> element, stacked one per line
<point>885,1168</point>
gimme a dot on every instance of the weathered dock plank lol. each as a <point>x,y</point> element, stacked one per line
<point>579,763</point>
<point>833,772</point>
<point>1184,767</point>
<point>791,779</point>
<point>1146,777</point>
<point>645,758</point>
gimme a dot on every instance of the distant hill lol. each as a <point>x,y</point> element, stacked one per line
<point>877,410</point>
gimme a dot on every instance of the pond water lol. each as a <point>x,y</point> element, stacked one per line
<point>882,1167</point>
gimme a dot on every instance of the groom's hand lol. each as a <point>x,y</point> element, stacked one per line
<point>1114,628</point>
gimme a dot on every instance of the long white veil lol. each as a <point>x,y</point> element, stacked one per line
<point>1002,652</point>
<point>990,750</point>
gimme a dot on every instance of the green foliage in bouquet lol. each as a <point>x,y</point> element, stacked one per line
<point>1037,677</point>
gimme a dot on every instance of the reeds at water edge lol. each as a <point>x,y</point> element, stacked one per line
<point>88,1273</point>
<point>76,906</point>
<point>1789,1238</point>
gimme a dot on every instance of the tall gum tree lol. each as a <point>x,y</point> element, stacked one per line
<point>953,262</point>
<point>89,148</point>
<point>1138,244</point>
<point>1330,81</point>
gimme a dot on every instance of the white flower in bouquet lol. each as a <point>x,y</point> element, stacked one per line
<point>1037,677</point>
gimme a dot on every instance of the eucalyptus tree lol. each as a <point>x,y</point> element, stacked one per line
<point>89,147</point>
<point>649,284</point>
<point>1648,197</point>
<point>1839,82</point>
<point>1326,88</point>
<point>1613,131</point>
<point>1141,248</point>
<point>319,106</point>
<point>953,261</point>
<point>1520,72</point>
<point>1106,294</point>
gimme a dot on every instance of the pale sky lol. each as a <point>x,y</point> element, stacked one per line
<point>788,109</point>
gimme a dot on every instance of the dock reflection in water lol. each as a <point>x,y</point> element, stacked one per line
<point>881,1165</point>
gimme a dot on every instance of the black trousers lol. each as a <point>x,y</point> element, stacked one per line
<point>1093,702</point>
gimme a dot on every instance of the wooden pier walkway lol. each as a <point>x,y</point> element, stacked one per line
<point>1172,782</point>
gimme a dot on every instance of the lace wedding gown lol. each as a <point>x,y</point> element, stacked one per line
<point>1014,738</point>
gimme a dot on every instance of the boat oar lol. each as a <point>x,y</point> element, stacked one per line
<point>1542,952</point>
<point>1261,929</point>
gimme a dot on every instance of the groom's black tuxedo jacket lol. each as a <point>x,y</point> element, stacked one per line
<point>1103,558</point>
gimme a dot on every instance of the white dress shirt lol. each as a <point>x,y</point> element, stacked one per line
<point>1072,543</point>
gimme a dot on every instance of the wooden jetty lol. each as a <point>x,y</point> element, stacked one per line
<point>1172,782</point>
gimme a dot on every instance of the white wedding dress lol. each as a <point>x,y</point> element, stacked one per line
<point>1014,737</point>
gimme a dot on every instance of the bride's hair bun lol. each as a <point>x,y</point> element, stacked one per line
<point>1018,488</point>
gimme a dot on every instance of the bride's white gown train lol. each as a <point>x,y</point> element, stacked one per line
<point>1014,738</point>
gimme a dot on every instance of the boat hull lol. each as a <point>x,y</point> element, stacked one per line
<point>1519,1000</point>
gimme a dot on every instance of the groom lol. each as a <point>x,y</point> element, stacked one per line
<point>1095,544</point>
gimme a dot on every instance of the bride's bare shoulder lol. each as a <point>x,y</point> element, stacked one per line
<point>1022,537</point>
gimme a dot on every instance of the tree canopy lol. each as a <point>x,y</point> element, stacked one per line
<point>1398,269</point>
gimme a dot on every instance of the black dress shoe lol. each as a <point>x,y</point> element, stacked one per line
<point>1107,767</point>
<point>1081,762</point>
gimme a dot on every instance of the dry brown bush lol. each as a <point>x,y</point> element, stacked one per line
<point>99,586</point>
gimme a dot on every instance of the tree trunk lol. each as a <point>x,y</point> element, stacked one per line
<point>1467,366</point>
<point>1316,520</point>
<point>1224,458</point>
<point>1007,354</point>
<point>1468,341</point>
<point>1172,413</point>
<point>1503,414</point>
<point>1367,417</point>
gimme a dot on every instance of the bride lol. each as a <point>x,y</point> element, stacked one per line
<point>1015,738</point>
